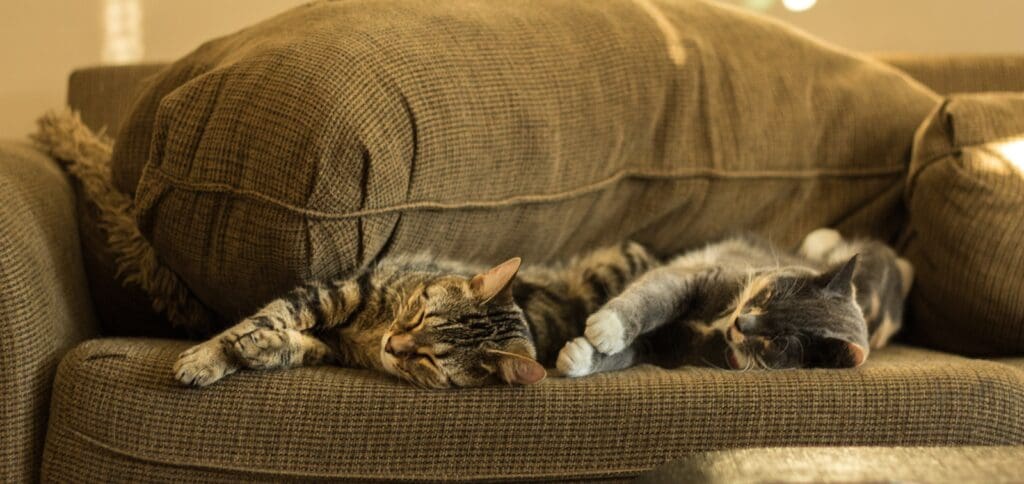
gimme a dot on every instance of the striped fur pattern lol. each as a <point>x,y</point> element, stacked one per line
<point>434,322</point>
<point>743,304</point>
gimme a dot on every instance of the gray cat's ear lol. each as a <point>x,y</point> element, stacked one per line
<point>495,282</point>
<point>840,281</point>
<point>516,369</point>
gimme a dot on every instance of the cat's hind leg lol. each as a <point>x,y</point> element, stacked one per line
<point>579,358</point>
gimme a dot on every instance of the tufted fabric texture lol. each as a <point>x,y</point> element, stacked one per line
<point>965,194</point>
<point>44,300</point>
<point>118,414</point>
<point>313,143</point>
<point>846,465</point>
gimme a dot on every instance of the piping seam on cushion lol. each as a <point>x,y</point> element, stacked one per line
<point>533,198</point>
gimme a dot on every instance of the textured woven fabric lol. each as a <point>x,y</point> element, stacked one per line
<point>955,465</point>
<point>44,299</point>
<point>965,195</point>
<point>963,73</point>
<point>317,141</point>
<point>118,413</point>
<point>104,96</point>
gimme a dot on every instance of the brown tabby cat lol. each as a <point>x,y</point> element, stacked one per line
<point>434,322</point>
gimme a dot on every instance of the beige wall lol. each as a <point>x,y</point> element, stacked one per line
<point>41,41</point>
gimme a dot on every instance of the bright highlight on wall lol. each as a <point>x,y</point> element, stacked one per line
<point>1012,152</point>
<point>792,5</point>
<point>798,5</point>
<point>122,31</point>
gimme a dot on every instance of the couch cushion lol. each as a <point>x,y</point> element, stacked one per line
<point>118,413</point>
<point>322,139</point>
<point>953,465</point>
<point>965,195</point>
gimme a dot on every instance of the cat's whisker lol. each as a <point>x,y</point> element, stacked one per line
<point>761,362</point>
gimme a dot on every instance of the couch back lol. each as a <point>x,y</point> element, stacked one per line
<point>104,94</point>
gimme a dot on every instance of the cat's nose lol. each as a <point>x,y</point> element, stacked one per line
<point>746,322</point>
<point>399,344</point>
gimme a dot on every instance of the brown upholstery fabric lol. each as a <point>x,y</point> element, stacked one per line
<point>104,96</point>
<point>965,194</point>
<point>44,300</point>
<point>118,413</point>
<point>954,465</point>
<point>319,140</point>
<point>963,73</point>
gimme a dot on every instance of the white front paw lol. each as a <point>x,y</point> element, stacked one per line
<point>202,365</point>
<point>606,331</point>
<point>576,358</point>
<point>819,243</point>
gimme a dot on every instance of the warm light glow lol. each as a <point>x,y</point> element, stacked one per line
<point>798,5</point>
<point>762,5</point>
<point>122,31</point>
<point>1012,152</point>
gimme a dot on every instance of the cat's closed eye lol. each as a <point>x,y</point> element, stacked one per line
<point>416,322</point>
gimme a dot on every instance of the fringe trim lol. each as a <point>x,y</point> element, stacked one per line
<point>85,156</point>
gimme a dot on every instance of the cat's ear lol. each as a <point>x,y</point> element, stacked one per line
<point>496,282</point>
<point>516,369</point>
<point>840,281</point>
<point>839,353</point>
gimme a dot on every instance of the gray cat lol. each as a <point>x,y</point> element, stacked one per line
<point>741,304</point>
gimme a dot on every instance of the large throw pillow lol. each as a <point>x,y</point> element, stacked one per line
<point>320,140</point>
<point>965,195</point>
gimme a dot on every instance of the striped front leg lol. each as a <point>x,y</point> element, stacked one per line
<point>274,337</point>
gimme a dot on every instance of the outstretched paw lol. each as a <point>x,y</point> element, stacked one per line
<point>819,243</point>
<point>203,364</point>
<point>606,332</point>
<point>576,358</point>
<point>261,349</point>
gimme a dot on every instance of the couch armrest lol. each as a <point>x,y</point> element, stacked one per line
<point>45,306</point>
<point>958,73</point>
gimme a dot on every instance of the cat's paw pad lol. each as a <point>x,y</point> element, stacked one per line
<point>576,358</point>
<point>260,348</point>
<point>606,331</point>
<point>819,243</point>
<point>202,365</point>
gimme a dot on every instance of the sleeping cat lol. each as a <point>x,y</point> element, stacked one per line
<point>433,322</point>
<point>740,304</point>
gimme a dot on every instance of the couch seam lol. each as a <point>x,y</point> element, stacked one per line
<point>633,471</point>
<point>599,185</point>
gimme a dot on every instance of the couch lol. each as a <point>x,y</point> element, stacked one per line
<point>80,406</point>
